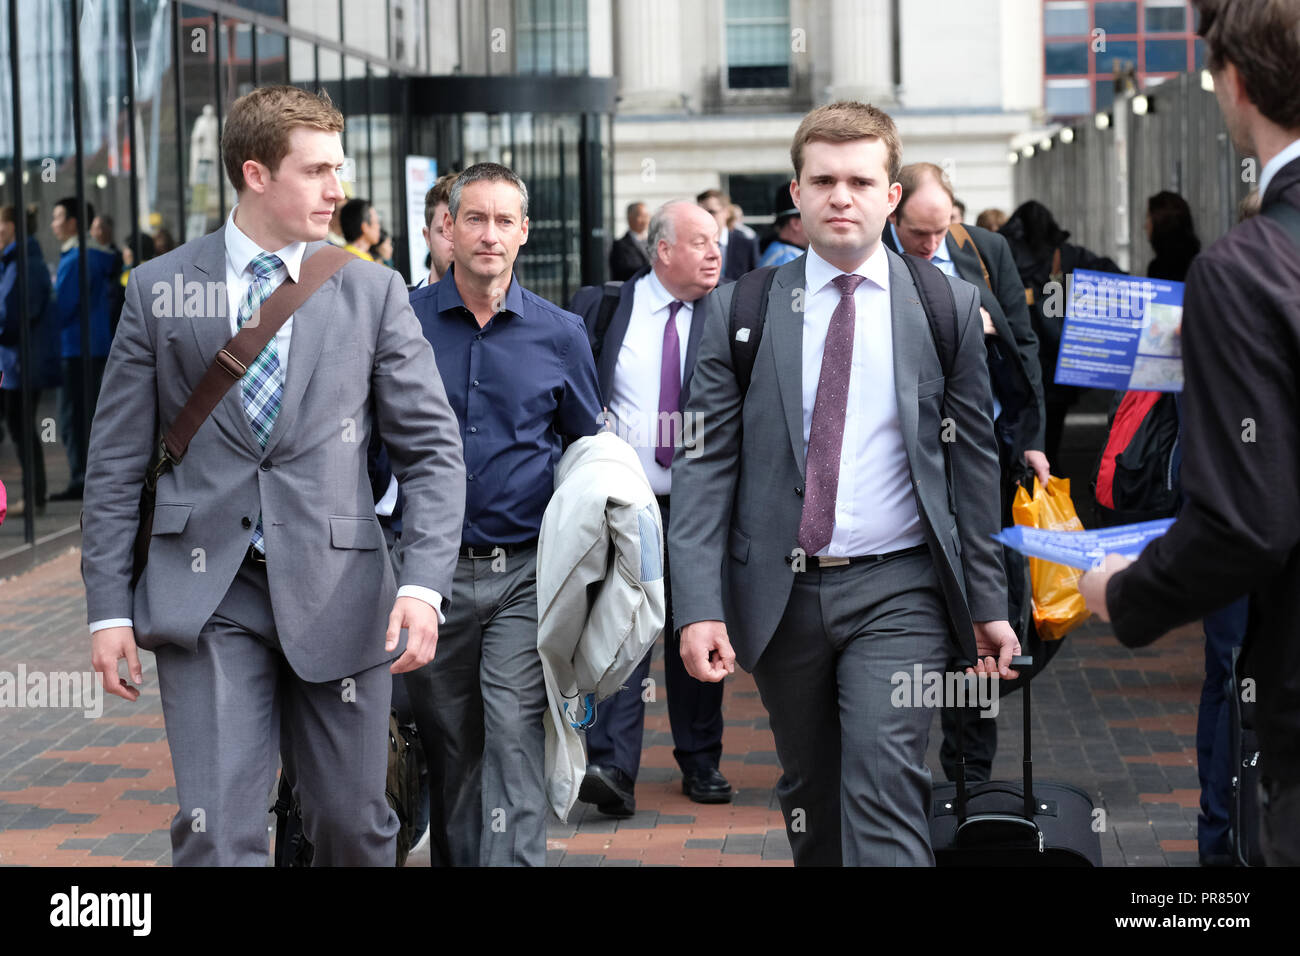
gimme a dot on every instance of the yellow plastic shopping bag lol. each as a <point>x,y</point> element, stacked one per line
<point>1058,605</point>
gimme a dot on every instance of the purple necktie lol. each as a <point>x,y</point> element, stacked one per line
<point>826,435</point>
<point>670,391</point>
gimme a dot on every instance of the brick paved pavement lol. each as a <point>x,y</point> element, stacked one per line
<point>1120,723</point>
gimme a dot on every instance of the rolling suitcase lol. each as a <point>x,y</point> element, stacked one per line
<point>1243,808</point>
<point>998,823</point>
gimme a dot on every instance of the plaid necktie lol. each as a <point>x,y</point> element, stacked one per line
<point>263,383</point>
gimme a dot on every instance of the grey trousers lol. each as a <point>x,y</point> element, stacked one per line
<point>235,705</point>
<point>854,787</point>
<point>479,707</point>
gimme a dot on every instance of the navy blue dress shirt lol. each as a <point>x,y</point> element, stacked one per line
<point>520,385</point>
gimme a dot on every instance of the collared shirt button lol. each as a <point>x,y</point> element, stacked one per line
<point>469,477</point>
<point>475,383</point>
<point>473,428</point>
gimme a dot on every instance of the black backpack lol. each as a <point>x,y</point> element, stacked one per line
<point>749,315</point>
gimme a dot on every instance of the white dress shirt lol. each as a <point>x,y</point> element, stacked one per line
<point>240,251</point>
<point>634,402</point>
<point>1275,164</point>
<point>875,510</point>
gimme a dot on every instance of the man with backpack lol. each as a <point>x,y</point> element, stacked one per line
<point>1238,531</point>
<point>823,535</point>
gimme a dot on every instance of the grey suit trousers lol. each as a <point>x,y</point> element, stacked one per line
<point>232,704</point>
<point>854,787</point>
<point>479,708</point>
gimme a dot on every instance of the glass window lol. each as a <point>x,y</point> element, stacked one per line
<point>1166,56</point>
<point>1105,95</point>
<point>758,44</point>
<point>552,36</point>
<point>1067,98</point>
<point>1065,58</point>
<point>1200,53</point>
<point>1066,19</point>
<point>753,193</point>
<point>272,64</point>
<point>356,139</point>
<point>1117,17</point>
<point>1118,52</point>
<point>302,64</point>
<point>208,192</point>
<point>1166,16</point>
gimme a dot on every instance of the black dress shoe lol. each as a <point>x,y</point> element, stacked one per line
<point>610,789</point>
<point>70,493</point>
<point>707,786</point>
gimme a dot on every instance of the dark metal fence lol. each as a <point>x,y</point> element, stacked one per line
<point>1097,185</point>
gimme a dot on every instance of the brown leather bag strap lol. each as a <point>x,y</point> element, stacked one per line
<point>958,232</point>
<point>233,360</point>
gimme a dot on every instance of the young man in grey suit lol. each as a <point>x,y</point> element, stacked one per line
<point>823,537</point>
<point>268,584</point>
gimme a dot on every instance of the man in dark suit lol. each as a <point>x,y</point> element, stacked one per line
<point>922,225</point>
<point>1238,532</point>
<point>629,255</point>
<point>823,536</point>
<point>644,362</point>
<point>739,252</point>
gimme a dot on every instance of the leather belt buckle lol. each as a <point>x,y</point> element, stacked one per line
<point>255,556</point>
<point>823,562</point>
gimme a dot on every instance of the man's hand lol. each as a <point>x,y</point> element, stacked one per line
<point>1092,584</point>
<point>989,327</point>
<point>1038,461</point>
<point>109,646</point>
<point>707,652</point>
<point>997,644</point>
<point>421,622</point>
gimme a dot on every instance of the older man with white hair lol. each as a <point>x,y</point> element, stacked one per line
<point>645,334</point>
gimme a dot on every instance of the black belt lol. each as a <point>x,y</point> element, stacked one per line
<point>253,555</point>
<point>824,562</point>
<point>480,551</point>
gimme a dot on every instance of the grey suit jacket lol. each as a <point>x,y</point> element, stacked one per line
<point>738,494</point>
<point>357,352</point>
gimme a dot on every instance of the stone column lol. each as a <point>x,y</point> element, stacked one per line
<point>862,51</point>
<point>650,61</point>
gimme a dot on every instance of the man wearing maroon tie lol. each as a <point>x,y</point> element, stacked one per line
<point>645,353</point>
<point>823,537</point>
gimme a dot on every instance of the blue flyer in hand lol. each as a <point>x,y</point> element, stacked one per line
<point>1121,333</point>
<point>1083,549</point>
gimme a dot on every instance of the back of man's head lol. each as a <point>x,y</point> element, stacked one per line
<point>354,214</point>
<point>1261,38</point>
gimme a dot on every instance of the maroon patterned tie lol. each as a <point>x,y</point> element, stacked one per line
<point>670,390</point>
<point>826,435</point>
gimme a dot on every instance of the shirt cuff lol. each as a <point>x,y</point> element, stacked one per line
<point>110,622</point>
<point>427,595</point>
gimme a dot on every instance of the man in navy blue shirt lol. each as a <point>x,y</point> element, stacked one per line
<point>519,374</point>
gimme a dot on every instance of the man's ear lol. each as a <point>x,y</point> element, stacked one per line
<point>523,231</point>
<point>256,176</point>
<point>794,194</point>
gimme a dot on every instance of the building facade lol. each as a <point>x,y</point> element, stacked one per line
<point>711,91</point>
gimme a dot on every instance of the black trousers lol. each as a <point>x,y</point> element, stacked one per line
<point>12,401</point>
<point>694,708</point>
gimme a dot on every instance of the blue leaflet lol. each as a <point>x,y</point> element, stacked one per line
<point>1083,549</point>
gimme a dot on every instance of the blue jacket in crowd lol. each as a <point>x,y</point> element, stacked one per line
<point>40,319</point>
<point>68,301</point>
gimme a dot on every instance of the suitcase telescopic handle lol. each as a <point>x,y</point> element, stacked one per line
<point>1025,664</point>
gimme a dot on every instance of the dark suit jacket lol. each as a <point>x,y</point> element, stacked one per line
<point>1010,313</point>
<point>740,255</point>
<point>586,303</point>
<point>626,257</point>
<point>1239,529</point>
<point>738,499</point>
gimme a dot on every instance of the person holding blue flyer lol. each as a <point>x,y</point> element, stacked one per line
<point>1238,532</point>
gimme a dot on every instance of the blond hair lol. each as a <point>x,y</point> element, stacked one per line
<point>844,122</point>
<point>260,123</point>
